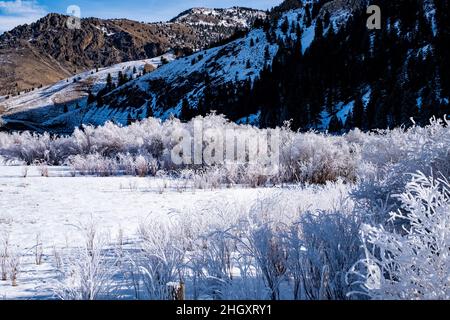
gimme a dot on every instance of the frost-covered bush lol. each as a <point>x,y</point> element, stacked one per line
<point>269,253</point>
<point>142,166</point>
<point>272,247</point>
<point>318,158</point>
<point>323,246</point>
<point>211,264</point>
<point>413,263</point>
<point>390,155</point>
<point>28,147</point>
<point>379,159</point>
<point>94,164</point>
<point>209,179</point>
<point>161,260</point>
<point>4,256</point>
<point>86,273</point>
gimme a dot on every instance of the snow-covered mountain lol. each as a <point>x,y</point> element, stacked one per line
<point>312,61</point>
<point>47,51</point>
<point>187,80</point>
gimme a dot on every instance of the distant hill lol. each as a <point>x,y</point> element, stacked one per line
<point>47,51</point>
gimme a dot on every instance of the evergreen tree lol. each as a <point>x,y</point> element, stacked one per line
<point>285,26</point>
<point>319,30</point>
<point>308,18</point>
<point>164,60</point>
<point>358,113</point>
<point>266,54</point>
<point>350,122</point>
<point>121,79</point>
<point>100,101</point>
<point>408,108</point>
<point>149,110</point>
<point>186,113</point>
<point>372,107</point>
<point>326,19</point>
<point>109,82</point>
<point>91,98</point>
<point>336,125</point>
<point>397,62</point>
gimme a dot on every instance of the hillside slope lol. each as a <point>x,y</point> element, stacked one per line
<point>62,106</point>
<point>46,51</point>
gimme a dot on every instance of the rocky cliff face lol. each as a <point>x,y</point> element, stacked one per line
<point>47,51</point>
<point>231,17</point>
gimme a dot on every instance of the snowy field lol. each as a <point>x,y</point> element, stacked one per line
<point>54,209</point>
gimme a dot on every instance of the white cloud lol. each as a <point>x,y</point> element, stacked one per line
<point>18,12</point>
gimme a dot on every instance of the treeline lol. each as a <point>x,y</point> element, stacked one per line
<point>122,78</point>
<point>17,92</point>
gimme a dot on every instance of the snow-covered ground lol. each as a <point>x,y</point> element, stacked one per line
<point>54,208</point>
<point>76,87</point>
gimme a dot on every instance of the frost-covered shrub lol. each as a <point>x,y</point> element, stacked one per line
<point>273,247</point>
<point>127,163</point>
<point>413,263</point>
<point>4,140</point>
<point>94,164</point>
<point>15,264</point>
<point>4,256</point>
<point>318,158</point>
<point>86,273</point>
<point>212,264</point>
<point>28,147</point>
<point>323,246</point>
<point>43,170</point>
<point>269,252</point>
<point>388,158</point>
<point>142,166</point>
<point>292,251</point>
<point>210,178</point>
<point>254,175</point>
<point>162,258</point>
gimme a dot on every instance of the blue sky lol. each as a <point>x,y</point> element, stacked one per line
<point>16,12</point>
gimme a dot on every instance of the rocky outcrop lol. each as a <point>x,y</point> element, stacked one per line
<point>342,5</point>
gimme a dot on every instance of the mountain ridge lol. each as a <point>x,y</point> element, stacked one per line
<point>99,43</point>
